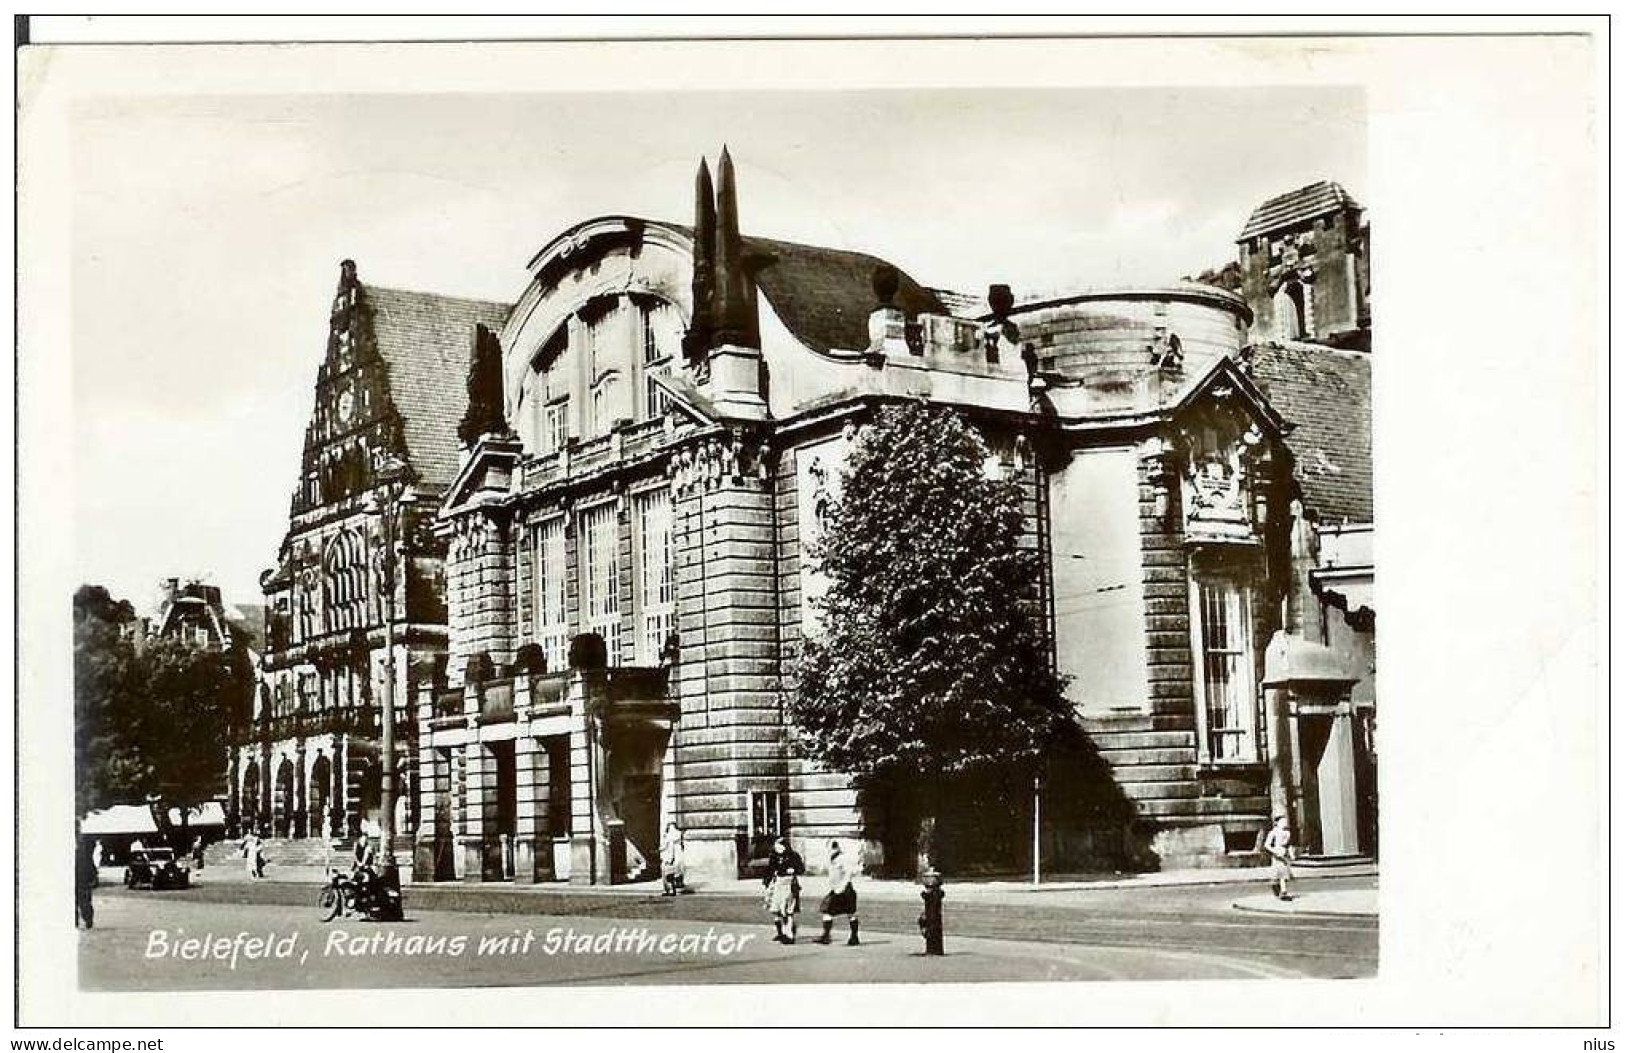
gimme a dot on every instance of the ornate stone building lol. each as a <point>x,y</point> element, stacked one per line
<point>676,400</point>
<point>358,563</point>
<point>595,565</point>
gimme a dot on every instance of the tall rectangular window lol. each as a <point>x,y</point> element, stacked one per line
<point>552,629</point>
<point>769,819</point>
<point>655,399</point>
<point>601,602</point>
<point>1228,713</point>
<point>656,589</point>
<point>654,321</point>
<point>647,316</point>
<point>555,427</point>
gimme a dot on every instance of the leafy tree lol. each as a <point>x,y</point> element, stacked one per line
<point>932,671</point>
<point>104,677</point>
<point>151,718</point>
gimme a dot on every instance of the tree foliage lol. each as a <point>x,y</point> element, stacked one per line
<point>932,664</point>
<point>153,717</point>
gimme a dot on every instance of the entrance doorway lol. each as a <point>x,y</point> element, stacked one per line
<point>285,803</point>
<point>321,782</point>
<point>501,812</point>
<point>1331,757</point>
<point>633,785</point>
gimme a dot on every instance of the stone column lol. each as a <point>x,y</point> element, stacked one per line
<point>533,847</point>
<point>338,801</point>
<point>457,776</point>
<point>297,828</point>
<point>423,846</point>
<point>232,790</point>
<point>471,843</point>
<point>263,791</point>
<point>589,848</point>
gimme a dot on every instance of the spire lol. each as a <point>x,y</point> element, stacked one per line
<point>484,414</point>
<point>734,314</point>
<point>698,337</point>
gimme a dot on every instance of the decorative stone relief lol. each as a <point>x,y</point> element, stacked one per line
<point>818,487</point>
<point>1222,452</point>
<point>719,460</point>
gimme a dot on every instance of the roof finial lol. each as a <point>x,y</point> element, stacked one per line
<point>735,315</point>
<point>698,337</point>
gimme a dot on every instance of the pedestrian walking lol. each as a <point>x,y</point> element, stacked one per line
<point>259,856</point>
<point>84,880</point>
<point>97,854</point>
<point>197,852</point>
<point>364,865</point>
<point>671,861</point>
<point>783,885</point>
<point>1278,843</point>
<point>842,897</point>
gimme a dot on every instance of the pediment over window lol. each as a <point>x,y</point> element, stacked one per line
<point>1224,442</point>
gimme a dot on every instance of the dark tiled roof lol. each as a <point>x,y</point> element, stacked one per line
<point>961,305</point>
<point>1298,206</point>
<point>825,296</point>
<point>425,340</point>
<point>1326,394</point>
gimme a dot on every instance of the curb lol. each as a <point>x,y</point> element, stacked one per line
<point>1318,915</point>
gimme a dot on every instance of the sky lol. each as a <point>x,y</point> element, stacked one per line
<point>207,232</point>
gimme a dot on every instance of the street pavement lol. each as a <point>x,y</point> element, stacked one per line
<point>585,936</point>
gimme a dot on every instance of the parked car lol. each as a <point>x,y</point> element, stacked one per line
<point>156,868</point>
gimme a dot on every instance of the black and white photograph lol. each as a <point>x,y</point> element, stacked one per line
<point>573,516</point>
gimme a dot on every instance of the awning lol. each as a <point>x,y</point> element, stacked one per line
<point>209,813</point>
<point>118,821</point>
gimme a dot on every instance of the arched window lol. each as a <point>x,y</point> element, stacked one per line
<point>1291,311</point>
<point>604,403</point>
<point>344,582</point>
<point>310,608</point>
<point>597,368</point>
<point>546,396</point>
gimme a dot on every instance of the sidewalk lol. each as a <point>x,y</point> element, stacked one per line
<point>885,888</point>
<point>1335,903</point>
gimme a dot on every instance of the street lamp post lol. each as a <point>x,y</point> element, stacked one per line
<point>389,511</point>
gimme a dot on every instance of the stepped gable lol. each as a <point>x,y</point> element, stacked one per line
<point>1296,207</point>
<point>425,340</point>
<point>1326,394</point>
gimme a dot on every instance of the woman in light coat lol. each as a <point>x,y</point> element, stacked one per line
<point>783,885</point>
<point>671,861</point>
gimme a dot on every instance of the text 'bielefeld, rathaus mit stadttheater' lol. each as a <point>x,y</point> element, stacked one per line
<point>590,557</point>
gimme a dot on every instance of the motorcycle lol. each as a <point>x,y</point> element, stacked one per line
<point>345,895</point>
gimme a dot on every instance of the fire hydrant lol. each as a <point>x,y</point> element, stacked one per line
<point>931,920</point>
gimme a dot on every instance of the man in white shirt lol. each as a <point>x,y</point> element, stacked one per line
<point>841,898</point>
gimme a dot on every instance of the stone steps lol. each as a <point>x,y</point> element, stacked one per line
<point>1145,740</point>
<point>281,851</point>
<point>1131,757</point>
<point>1231,788</point>
<point>1255,806</point>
